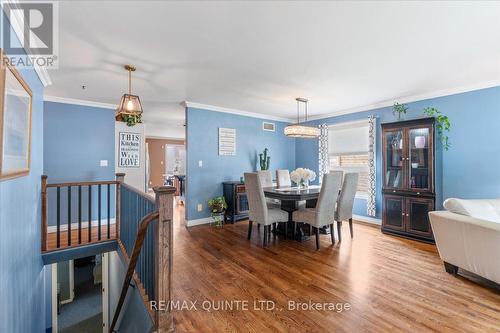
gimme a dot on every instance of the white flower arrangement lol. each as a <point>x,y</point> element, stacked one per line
<point>302,175</point>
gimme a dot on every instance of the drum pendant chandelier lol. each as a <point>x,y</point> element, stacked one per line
<point>301,131</point>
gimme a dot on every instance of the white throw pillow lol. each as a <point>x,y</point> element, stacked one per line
<point>484,209</point>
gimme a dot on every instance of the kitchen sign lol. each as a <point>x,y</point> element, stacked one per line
<point>129,150</point>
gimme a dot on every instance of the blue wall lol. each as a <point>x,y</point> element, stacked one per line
<point>76,138</point>
<point>202,144</point>
<point>468,170</point>
<point>22,277</point>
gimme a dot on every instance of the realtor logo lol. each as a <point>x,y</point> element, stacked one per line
<point>29,33</point>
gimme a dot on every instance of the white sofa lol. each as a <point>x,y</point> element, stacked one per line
<point>467,236</point>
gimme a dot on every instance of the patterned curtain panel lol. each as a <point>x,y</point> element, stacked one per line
<point>323,151</point>
<point>370,204</point>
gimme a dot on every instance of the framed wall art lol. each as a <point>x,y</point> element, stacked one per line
<point>15,122</point>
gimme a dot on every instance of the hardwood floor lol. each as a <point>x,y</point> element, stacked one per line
<point>52,237</point>
<point>391,284</point>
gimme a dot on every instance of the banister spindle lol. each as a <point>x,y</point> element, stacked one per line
<point>99,212</point>
<point>79,214</point>
<point>58,218</point>
<point>69,215</point>
<point>90,215</point>
<point>109,209</point>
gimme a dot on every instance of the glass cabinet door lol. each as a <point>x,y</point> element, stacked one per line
<point>417,211</point>
<point>394,163</point>
<point>420,159</point>
<point>394,216</point>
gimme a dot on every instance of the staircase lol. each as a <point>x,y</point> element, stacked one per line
<point>86,218</point>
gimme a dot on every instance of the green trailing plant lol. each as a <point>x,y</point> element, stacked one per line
<point>132,120</point>
<point>399,110</point>
<point>264,160</point>
<point>217,206</point>
<point>443,125</point>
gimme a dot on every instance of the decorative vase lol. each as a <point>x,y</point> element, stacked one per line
<point>420,142</point>
<point>303,184</point>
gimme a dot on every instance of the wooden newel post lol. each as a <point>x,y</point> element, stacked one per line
<point>120,178</point>
<point>164,257</point>
<point>44,213</point>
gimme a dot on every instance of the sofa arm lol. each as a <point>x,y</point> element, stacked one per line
<point>467,242</point>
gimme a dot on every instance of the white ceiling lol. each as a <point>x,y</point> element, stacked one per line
<point>259,56</point>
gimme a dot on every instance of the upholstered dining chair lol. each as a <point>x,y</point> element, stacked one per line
<point>259,212</point>
<point>283,178</point>
<point>266,180</point>
<point>345,202</point>
<point>324,212</point>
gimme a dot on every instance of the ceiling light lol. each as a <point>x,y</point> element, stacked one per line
<point>301,131</point>
<point>129,104</point>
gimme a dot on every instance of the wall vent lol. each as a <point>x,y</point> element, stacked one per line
<point>270,127</point>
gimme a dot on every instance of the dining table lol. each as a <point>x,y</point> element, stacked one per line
<point>290,198</point>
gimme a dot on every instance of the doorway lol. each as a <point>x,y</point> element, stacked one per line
<point>80,298</point>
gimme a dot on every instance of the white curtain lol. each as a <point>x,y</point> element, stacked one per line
<point>370,204</point>
<point>323,151</point>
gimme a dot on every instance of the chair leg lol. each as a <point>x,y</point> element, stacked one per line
<point>258,228</point>
<point>350,227</point>
<point>310,230</point>
<point>286,230</point>
<point>264,242</point>
<point>250,229</point>
<point>317,237</point>
<point>274,230</point>
<point>339,230</point>
<point>269,233</point>
<point>332,234</point>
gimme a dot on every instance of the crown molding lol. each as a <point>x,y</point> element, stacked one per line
<point>410,99</point>
<point>188,104</point>
<point>79,102</point>
<point>15,22</point>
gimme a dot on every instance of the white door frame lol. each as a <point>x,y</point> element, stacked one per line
<point>105,292</point>
<point>54,297</point>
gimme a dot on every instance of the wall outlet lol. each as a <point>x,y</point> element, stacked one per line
<point>104,163</point>
<point>200,163</point>
<point>200,207</point>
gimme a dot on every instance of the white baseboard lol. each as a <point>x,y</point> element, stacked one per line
<point>367,219</point>
<point>205,220</point>
<point>74,226</point>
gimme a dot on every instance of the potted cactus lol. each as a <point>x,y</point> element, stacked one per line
<point>264,160</point>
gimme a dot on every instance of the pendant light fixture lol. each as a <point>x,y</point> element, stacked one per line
<point>301,131</point>
<point>130,105</point>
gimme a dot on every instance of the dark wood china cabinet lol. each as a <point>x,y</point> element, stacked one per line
<point>408,178</point>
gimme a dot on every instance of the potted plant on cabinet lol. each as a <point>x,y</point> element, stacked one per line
<point>217,207</point>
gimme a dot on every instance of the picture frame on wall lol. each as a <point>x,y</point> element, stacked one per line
<point>15,122</point>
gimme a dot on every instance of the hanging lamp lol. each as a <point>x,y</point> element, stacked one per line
<point>301,131</point>
<point>130,105</point>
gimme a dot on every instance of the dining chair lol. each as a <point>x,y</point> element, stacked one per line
<point>324,212</point>
<point>283,178</point>
<point>266,180</point>
<point>259,212</point>
<point>345,202</point>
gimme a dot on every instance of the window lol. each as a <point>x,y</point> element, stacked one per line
<point>348,151</point>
